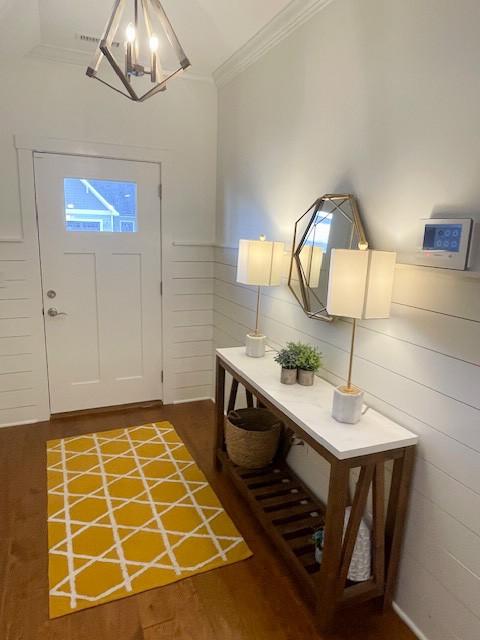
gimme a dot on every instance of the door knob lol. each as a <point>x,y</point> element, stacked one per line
<point>53,313</point>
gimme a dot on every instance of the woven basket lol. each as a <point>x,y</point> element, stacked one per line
<point>252,437</point>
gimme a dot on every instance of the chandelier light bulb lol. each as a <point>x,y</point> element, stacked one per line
<point>130,33</point>
<point>154,43</point>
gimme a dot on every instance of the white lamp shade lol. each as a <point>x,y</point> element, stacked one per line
<point>380,284</point>
<point>260,262</point>
<point>311,259</point>
<point>360,283</point>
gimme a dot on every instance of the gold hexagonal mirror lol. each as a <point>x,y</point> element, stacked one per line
<point>332,222</point>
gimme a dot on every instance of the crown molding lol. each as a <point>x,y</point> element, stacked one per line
<point>52,53</point>
<point>280,27</point>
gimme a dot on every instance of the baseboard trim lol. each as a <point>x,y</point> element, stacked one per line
<point>191,400</point>
<point>410,624</point>
<point>21,423</point>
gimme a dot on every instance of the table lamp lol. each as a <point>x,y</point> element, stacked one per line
<point>359,287</point>
<point>259,263</point>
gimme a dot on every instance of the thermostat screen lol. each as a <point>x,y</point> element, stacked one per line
<point>442,237</point>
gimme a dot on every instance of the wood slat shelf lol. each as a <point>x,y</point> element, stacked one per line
<point>287,510</point>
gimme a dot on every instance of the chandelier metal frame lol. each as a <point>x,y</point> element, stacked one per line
<point>149,9</point>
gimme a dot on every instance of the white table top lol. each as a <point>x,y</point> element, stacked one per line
<point>310,408</point>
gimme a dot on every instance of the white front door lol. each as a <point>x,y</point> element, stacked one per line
<point>99,228</point>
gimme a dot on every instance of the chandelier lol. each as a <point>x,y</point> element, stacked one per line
<point>149,40</point>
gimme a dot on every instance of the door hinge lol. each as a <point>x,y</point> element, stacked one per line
<point>160,191</point>
<point>161,288</point>
<point>161,376</point>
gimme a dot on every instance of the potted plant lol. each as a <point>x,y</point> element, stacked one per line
<point>287,359</point>
<point>309,360</point>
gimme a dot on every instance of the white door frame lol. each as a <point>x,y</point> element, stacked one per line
<point>171,181</point>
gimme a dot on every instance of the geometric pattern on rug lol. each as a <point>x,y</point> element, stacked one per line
<point>129,510</point>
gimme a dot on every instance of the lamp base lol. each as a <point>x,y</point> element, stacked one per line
<point>255,345</point>
<point>347,404</point>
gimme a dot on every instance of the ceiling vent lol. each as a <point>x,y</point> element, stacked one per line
<point>94,40</point>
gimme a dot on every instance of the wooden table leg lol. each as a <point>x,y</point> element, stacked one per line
<point>356,514</point>
<point>378,524</point>
<point>285,444</point>
<point>249,398</point>
<point>233,396</point>
<point>332,551</point>
<point>219,413</point>
<point>395,522</point>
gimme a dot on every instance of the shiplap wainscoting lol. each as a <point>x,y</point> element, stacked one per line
<point>188,336</point>
<point>421,368</point>
<point>23,370</point>
<point>22,385</point>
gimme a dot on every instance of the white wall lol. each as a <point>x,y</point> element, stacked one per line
<point>57,101</point>
<point>378,98</point>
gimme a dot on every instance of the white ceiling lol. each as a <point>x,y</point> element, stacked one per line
<point>209,30</point>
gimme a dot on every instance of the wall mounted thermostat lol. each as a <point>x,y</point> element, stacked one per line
<point>445,243</point>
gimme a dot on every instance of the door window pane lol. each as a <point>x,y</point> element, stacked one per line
<point>100,205</point>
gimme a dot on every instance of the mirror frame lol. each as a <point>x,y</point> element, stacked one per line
<point>337,200</point>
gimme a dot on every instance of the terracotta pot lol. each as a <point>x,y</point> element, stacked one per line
<point>306,377</point>
<point>288,376</point>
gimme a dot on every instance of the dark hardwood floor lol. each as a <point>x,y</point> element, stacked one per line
<point>251,600</point>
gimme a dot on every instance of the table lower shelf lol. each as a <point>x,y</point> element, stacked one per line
<point>290,513</point>
<point>287,510</point>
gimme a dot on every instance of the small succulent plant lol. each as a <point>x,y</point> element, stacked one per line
<point>287,358</point>
<point>298,355</point>
<point>308,358</point>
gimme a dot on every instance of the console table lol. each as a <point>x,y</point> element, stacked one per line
<point>289,511</point>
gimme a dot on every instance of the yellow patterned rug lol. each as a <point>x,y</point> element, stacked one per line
<point>129,510</point>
